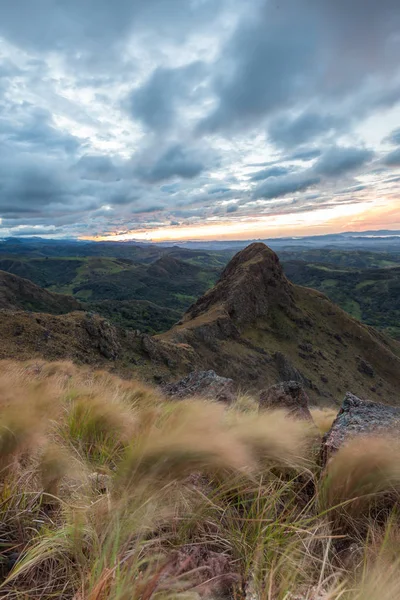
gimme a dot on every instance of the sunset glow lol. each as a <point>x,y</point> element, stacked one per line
<point>357,217</point>
<point>179,119</point>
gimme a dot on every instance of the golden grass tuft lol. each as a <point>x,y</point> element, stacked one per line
<point>361,473</point>
<point>108,491</point>
<point>323,418</point>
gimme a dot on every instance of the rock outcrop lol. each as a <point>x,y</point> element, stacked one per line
<point>251,284</point>
<point>289,396</point>
<point>257,328</point>
<point>359,418</point>
<point>206,384</point>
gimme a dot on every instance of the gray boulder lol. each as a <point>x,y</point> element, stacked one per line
<point>206,384</point>
<point>287,371</point>
<point>288,395</point>
<point>359,418</point>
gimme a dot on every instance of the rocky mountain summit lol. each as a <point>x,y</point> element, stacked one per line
<point>257,328</point>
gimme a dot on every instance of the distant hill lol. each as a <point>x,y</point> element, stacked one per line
<point>17,293</point>
<point>258,328</point>
<point>254,325</point>
<point>370,295</point>
<point>149,296</point>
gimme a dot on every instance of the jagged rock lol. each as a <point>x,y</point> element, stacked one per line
<point>254,309</point>
<point>365,368</point>
<point>288,395</point>
<point>286,371</point>
<point>203,383</point>
<point>241,290</point>
<point>359,418</point>
<point>163,352</point>
<point>103,336</point>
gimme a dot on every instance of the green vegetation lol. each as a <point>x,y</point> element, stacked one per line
<point>150,287</point>
<point>150,297</point>
<point>354,259</point>
<point>370,295</point>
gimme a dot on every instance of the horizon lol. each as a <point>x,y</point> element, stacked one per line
<point>177,120</point>
<point>377,233</point>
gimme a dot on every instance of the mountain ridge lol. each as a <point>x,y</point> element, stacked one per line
<point>257,328</point>
<point>254,326</point>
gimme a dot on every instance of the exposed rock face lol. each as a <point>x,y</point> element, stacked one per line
<point>257,328</point>
<point>288,395</point>
<point>203,383</point>
<point>252,282</point>
<point>286,370</point>
<point>365,368</point>
<point>359,418</point>
<point>103,336</point>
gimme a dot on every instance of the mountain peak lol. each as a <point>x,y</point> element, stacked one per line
<point>249,286</point>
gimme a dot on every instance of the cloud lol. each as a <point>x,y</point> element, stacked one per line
<point>393,158</point>
<point>175,161</point>
<point>289,132</point>
<point>340,160</point>
<point>98,28</point>
<point>157,102</point>
<point>277,187</point>
<point>97,167</point>
<point>305,154</point>
<point>257,70</point>
<point>270,172</point>
<point>36,128</point>
<point>394,137</point>
<point>287,55</point>
<point>111,112</point>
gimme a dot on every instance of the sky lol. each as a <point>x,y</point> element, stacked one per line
<point>198,119</point>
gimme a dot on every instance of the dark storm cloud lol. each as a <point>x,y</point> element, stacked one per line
<point>277,187</point>
<point>393,158</point>
<point>270,172</point>
<point>305,154</point>
<point>291,132</point>
<point>294,52</point>
<point>176,161</point>
<point>157,102</point>
<point>341,160</point>
<point>98,26</point>
<point>37,129</point>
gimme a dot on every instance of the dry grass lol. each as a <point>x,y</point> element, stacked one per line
<point>110,492</point>
<point>323,418</point>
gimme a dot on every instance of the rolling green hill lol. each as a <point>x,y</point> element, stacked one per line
<point>150,296</point>
<point>370,295</point>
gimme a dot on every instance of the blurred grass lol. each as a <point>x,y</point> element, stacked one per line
<point>108,491</point>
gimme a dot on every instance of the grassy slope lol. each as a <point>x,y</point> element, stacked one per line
<point>76,336</point>
<point>109,492</point>
<point>150,297</point>
<point>17,293</point>
<point>322,341</point>
<point>370,295</point>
